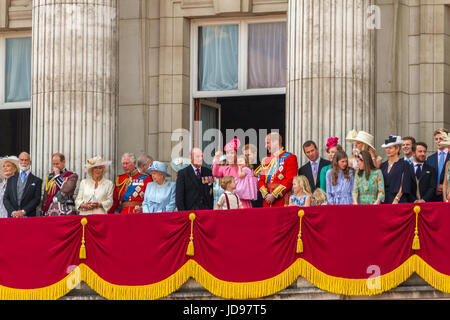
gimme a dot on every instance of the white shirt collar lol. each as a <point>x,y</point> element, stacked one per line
<point>445,151</point>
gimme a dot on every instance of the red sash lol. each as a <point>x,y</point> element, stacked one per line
<point>52,188</point>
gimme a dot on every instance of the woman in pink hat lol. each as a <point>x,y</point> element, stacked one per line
<point>332,147</point>
<point>232,169</point>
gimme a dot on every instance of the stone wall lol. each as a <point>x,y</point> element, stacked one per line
<point>413,71</point>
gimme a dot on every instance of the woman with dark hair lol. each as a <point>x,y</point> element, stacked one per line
<point>396,173</point>
<point>368,187</point>
<point>340,180</point>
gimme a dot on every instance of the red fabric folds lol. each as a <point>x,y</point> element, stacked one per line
<point>236,246</point>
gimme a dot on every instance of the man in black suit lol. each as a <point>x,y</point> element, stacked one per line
<point>23,192</point>
<point>438,161</point>
<point>311,170</point>
<point>194,189</point>
<point>424,185</point>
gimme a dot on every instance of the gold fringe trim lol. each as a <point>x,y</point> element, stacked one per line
<point>434,278</point>
<point>52,292</point>
<point>237,290</point>
<point>146,292</point>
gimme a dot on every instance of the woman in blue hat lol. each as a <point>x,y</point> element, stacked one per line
<point>159,194</point>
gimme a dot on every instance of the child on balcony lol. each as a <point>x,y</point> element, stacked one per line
<point>302,192</point>
<point>246,182</point>
<point>228,200</point>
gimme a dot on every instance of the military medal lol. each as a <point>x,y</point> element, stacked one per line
<point>135,194</point>
<point>142,194</point>
<point>280,177</point>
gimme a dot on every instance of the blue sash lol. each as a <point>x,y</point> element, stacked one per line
<point>274,169</point>
<point>131,188</point>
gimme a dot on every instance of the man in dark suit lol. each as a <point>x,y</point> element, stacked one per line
<point>438,161</point>
<point>23,192</point>
<point>194,189</point>
<point>311,170</point>
<point>423,188</point>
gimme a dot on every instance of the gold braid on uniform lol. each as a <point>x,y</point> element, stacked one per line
<point>126,182</point>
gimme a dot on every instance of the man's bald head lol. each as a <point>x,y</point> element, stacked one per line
<point>197,157</point>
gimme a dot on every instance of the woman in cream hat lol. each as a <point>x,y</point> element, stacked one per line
<point>362,141</point>
<point>96,193</point>
<point>9,166</point>
<point>446,185</point>
<point>159,194</point>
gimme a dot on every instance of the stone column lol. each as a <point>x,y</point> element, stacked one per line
<point>330,86</point>
<point>74,82</point>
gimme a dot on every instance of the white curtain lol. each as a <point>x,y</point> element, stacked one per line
<point>18,70</point>
<point>267,55</point>
<point>218,58</point>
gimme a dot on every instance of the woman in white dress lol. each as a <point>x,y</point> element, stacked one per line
<point>9,166</point>
<point>96,193</point>
<point>159,194</point>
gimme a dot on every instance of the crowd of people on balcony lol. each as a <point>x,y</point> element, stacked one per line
<point>236,180</point>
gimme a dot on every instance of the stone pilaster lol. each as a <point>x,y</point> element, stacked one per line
<point>74,82</point>
<point>330,87</point>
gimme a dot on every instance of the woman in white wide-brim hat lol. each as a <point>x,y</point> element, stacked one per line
<point>9,166</point>
<point>362,141</point>
<point>396,172</point>
<point>159,194</point>
<point>95,195</point>
<point>446,184</point>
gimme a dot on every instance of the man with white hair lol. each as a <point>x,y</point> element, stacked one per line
<point>129,189</point>
<point>23,192</point>
<point>144,161</point>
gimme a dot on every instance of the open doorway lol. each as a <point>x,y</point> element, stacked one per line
<point>267,112</point>
<point>15,131</point>
<point>253,112</point>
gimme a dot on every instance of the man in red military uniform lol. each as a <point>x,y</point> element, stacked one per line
<point>277,173</point>
<point>129,189</point>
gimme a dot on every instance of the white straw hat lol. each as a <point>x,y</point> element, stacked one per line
<point>96,162</point>
<point>12,159</point>
<point>446,141</point>
<point>361,136</point>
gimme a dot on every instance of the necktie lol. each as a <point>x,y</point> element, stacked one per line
<point>23,176</point>
<point>315,170</point>
<point>440,166</point>
<point>419,170</point>
<point>198,173</point>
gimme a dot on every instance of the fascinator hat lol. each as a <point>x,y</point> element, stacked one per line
<point>233,144</point>
<point>392,141</point>
<point>332,142</point>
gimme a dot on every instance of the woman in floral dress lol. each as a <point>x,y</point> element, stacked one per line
<point>368,187</point>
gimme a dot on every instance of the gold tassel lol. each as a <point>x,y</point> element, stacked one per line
<point>416,241</point>
<point>301,213</point>
<point>83,247</point>
<point>190,248</point>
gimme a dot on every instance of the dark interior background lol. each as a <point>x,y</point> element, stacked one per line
<point>14,131</point>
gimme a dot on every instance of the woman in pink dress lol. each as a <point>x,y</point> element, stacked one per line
<point>231,168</point>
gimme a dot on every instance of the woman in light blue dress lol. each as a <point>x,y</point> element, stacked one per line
<point>159,194</point>
<point>340,180</point>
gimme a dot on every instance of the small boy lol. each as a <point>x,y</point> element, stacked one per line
<point>228,200</point>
